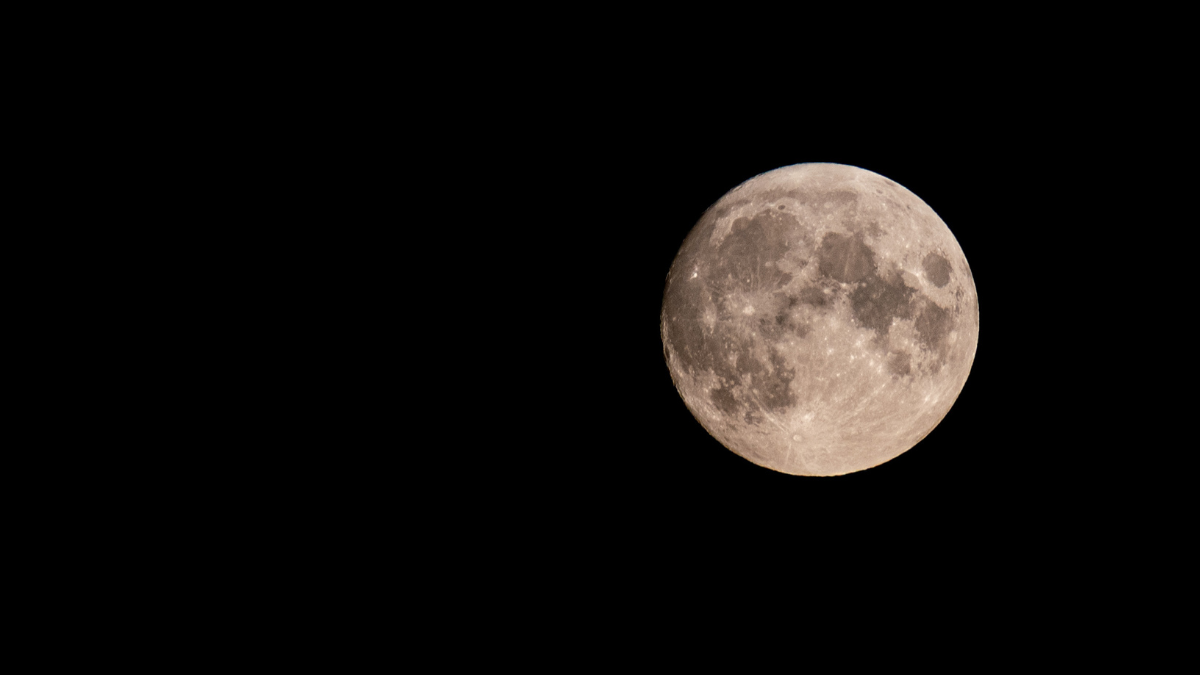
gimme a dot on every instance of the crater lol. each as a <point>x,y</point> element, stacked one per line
<point>937,269</point>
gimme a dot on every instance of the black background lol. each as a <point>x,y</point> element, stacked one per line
<point>532,443</point>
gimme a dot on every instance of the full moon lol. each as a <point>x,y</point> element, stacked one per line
<point>819,320</point>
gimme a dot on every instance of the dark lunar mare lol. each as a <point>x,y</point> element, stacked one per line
<point>899,364</point>
<point>877,302</point>
<point>933,327</point>
<point>879,298</point>
<point>744,261</point>
<point>746,257</point>
<point>845,259</point>
<point>937,269</point>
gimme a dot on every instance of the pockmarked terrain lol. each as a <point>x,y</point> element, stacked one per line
<point>819,319</point>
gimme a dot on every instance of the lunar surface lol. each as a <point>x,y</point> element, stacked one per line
<point>819,319</point>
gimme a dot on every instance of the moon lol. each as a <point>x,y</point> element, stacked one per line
<point>819,320</point>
